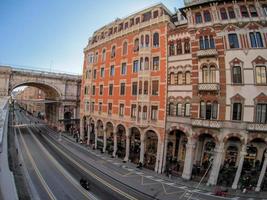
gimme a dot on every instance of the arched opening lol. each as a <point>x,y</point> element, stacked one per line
<point>67,121</point>
<point>121,141</point>
<point>176,148</point>
<point>151,146</point>
<point>110,137</point>
<point>135,143</point>
<point>100,134</point>
<point>92,132</point>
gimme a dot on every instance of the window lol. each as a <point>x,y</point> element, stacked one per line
<point>144,115</point>
<point>140,87</point>
<point>134,88</point>
<point>94,74</point>
<point>101,90</point>
<point>187,78</point>
<point>212,74</point>
<point>103,55</point>
<point>206,42</point>
<point>256,39</point>
<point>145,87</point>
<point>154,112</point>
<point>264,7</point>
<point>133,111</point>
<point>122,91</point>
<point>146,16</point>
<point>141,67</point>
<point>180,78</point>
<point>214,110</point>
<point>207,16</point>
<point>92,107</point>
<point>124,48</point>
<point>223,14</point>
<point>205,74</point>
<point>147,41</point>
<point>86,90</point>
<point>187,46</point>
<point>172,77</point>
<point>179,49</point>
<point>187,110</point>
<point>142,41</point>
<point>155,87</point>
<point>100,107</point>
<point>155,63</point>
<point>91,58</point>
<point>109,108</point>
<point>136,45</point>
<point>198,18</point>
<point>244,11</point>
<point>253,11</point>
<point>123,68</point>
<point>208,110</point>
<point>146,63</point>
<point>261,113</point>
<point>202,109</point>
<point>171,49</point>
<point>87,74</point>
<point>102,70</point>
<point>179,108</point>
<point>261,75</point>
<point>233,40</point>
<point>113,52</point>
<point>237,111</point>
<point>96,57</point>
<point>231,13</point>
<point>126,25</point>
<point>156,40</point>
<point>121,113</point>
<point>236,75</point>
<point>93,90</point>
<point>155,14</point>
<point>110,89</point>
<point>112,70</point>
<point>135,66</point>
<point>172,109</point>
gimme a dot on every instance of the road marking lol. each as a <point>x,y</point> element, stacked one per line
<point>171,184</point>
<point>115,189</point>
<point>139,173</point>
<point>168,193</point>
<point>46,187</point>
<point>62,170</point>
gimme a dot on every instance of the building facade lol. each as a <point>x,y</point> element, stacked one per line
<point>212,114</point>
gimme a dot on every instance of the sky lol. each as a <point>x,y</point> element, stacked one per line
<point>51,34</point>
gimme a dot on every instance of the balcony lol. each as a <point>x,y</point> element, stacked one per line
<point>256,127</point>
<point>206,123</point>
<point>207,53</point>
<point>209,87</point>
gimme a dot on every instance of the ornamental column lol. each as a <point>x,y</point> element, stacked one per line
<point>216,164</point>
<point>240,166</point>
<point>115,144</point>
<point>188,165</point>
<point>96,133</point>
<point>142,149</point>
<point>263,170</point>
<point>89,129</point>
<point>126,158</point>
<point>104,140</point>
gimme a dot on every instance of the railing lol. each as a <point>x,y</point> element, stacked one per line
<point>256,127</point>
<point>207,53</point>
<point>208,87</point>
<point>207,123</point>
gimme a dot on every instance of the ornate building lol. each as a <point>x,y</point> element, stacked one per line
<point>211,60</point>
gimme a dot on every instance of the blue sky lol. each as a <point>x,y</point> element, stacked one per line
<point>51,34</point>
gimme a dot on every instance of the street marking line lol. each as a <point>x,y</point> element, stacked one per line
<point>92,174</point>
<point>62,169</point>
<point>168,193</point>
<point>153,183</point>
<point>46,187</point>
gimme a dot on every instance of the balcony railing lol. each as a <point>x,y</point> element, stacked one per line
<point>207,53</point>
<point>206,123</point>
<point>208,87</point>
<point>256,127</point>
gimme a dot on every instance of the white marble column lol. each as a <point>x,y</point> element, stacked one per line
<point>126,158</point>
<point>114,145</point>
<point>96,133</point>
<point>157,165</point>
<point>216,164</point>
<point>142,149</point>
<point>161,158</point>
<point>240,166</point>
<point>262,174</point>
<point>104,139</point>
<point>188,164</point>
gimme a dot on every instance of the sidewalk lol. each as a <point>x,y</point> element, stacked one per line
<point>175,180</point>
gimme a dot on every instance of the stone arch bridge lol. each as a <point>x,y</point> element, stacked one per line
<point>62,92</point>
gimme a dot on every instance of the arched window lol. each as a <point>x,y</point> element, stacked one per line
<point>124,48</point>
<point>113,52</point>
<point>187,78</point>
<point>179,48</point>
<point>147,40</point>
<point>103,55</point>
<point>202,109</point>
<point>244,11</point>
<point>231,13</point>
<point>187,46</point>
<point>253,11</point>
<point>180,78</point>
<point>136,45</point>
<point>187,110</point>
<point>207,16</point>
<point>144,112</point>
<point>172,109</point>
<point>205,74</point>
<point>198,18</point>
<point>141,63</point>
<point>179,108</point>
<point>172,77</point>
<point>171,49</point>
<point>156,39</point>
<point>214,110</point>
<point>146,63</point>
<point>145,87</point>
<point>212,74</point>
<point>142,41</point>
<point>139,112</point>
<point>140,87</point>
